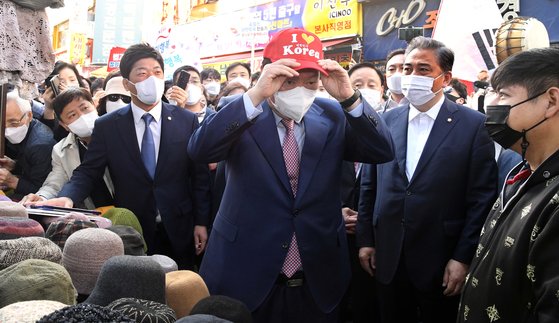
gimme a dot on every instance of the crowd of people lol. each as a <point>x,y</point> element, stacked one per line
<point>303,192</point>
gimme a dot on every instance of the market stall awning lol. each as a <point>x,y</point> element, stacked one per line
<point>100,72</point>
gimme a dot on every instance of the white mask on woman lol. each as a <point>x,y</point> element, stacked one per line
<point>213,88</point>
<point>83,126</point>
<point>111,106</point>
<point>294,104</point>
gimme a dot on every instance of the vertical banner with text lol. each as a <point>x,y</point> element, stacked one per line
<point>117,23</point>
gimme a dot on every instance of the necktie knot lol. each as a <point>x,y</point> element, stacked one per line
<point>148,118</point>
<point>288,124</point>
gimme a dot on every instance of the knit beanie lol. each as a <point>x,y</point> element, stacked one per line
<point>60,230</point>
<point>36,279</point>
<point>224,307</point>
<point>143,311</point>
<point>12,209</point>
<point>165,262</point>
<point>17,250</point>
<point>85,252</point>
<point>122,216</point>
<point>129,276</point>
<point>28,311</point>
<point>132,239</point>
<point>17,227</point>
<point>183,289</point>
<point>85,313</point>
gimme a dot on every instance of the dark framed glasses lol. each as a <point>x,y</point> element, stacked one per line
<point>115,97</point>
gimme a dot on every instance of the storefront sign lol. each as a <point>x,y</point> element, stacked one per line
<point>114,58</point>
<point>509,8</point>
<point>77,48</point>
<point>381,38</point>
<point>390,19</point>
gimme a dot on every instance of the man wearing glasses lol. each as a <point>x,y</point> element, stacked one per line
<point>28,150</point>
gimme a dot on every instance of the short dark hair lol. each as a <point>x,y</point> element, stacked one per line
<point>399,51</point>
<point>255,76</point>
<point>135,53</point>
<point>233,65</point>
<point>210,72</point>
<point>65,97</point>
<point>186,68</point>
<point>97,84</point>
<point>535,70</point>
<point>368,65</point>
<point>445,55</point>
<point>460,88</point>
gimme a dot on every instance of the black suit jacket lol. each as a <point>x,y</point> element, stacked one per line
<point>180,189</point>
<point>350,185</point>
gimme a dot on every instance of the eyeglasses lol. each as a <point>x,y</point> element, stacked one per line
<point>15,124</point>
<point>114,97</point>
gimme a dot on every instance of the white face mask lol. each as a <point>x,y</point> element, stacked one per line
<point>83,127</point>
<point>294,104</point>
<point>213,88</point>
<point>150,90</point>
<point>417,88</point>
<point>394,83</point>
<point>17,134</point>
<point>243,81</point>
<point>111,106</point>
<point>194,94</point>
<point>371,96</point>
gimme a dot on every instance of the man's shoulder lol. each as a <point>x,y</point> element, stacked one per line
<point>465,112</point>
<point>40,134</point>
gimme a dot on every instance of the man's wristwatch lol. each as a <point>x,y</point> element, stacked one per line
<point>351,100</point>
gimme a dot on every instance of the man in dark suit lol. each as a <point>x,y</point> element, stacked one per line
<point>431,200</point>
<point>278,242</point>
<point>148,163</point>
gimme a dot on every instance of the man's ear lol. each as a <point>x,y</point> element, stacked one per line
<point>553,107</point>
<point>125,84</point>
<point>460,101</point>
<point>447,77</point>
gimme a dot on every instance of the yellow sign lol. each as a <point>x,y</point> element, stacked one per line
<point>77,48</point>
<point>332,18</point>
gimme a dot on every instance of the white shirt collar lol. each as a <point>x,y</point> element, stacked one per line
<point>432,113</point>
<point>138,112</point>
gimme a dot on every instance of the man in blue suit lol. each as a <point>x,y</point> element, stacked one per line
<point>144,146</point>
<point>420,233</point>
<point>278,242</point>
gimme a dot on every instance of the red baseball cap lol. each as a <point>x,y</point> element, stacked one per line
<point>299,44</point>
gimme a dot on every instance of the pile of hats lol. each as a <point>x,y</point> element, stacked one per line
<point>95,269</point>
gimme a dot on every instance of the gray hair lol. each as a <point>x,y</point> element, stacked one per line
<point>24,105</point>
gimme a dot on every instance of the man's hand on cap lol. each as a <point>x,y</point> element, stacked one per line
<point>337,82</point>
<point>272,78</point>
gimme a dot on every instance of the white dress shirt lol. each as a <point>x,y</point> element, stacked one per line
<point>419,128</point>
<point>155,125</point>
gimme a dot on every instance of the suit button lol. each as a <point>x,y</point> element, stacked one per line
<point>408,193</point>
<point>295,212</point>
<point>285,246</point>
<point>402,221</point>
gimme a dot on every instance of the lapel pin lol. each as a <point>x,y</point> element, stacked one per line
<point>169,118</point>
<point>449,120</point>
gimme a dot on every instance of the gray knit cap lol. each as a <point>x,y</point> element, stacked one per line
<point>16,250</point>
<point>129,276</point>
<point>86,251</point>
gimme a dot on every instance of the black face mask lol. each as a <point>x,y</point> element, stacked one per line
<point>499,130</point>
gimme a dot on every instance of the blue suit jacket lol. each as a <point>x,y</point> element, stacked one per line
<point>438,214</point>
<point>180,190</point>
<point>258,214</point>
